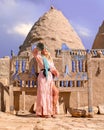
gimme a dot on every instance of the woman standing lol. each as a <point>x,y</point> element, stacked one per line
<point>47,93</point>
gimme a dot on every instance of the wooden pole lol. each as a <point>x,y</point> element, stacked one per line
<point>11,99</point>
<point>78,99</point>
<point>23,97</point>
<point>90,97</point>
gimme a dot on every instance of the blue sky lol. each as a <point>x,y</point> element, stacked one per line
<point>18,16</point>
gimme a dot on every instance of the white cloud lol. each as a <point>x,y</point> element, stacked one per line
<point>7,3</point>
<point>21,29</point>
<point>83,31</point>
<point>7,7</point>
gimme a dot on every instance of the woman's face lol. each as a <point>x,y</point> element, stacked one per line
<point>44,52</point>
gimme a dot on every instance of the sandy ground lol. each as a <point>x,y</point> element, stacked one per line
<point>61,122</point>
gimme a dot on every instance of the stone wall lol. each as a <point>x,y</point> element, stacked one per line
<point>4,70</point>
<point>97,71</point>
<point>4,83</point>
<point>98,80</point>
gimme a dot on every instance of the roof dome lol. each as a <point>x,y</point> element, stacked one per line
<point>99,39</point>
<point>52,29</point>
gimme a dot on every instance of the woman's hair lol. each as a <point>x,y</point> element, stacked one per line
<point>48,55</point>
<point>42,47</point>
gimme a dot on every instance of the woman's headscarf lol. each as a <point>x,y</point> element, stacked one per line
<point>41,47</point>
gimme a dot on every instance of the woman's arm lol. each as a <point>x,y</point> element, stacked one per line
<point>55,72</point>
<point>38,57</point>
<point>53,69</point>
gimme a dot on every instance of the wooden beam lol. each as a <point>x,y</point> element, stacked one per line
<point>11,99</point>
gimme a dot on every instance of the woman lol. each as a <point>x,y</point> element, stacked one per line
<point>47,93</point>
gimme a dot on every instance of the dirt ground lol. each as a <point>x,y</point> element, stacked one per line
<point>61,122</point>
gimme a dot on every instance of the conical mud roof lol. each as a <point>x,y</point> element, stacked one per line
<point>53,29</point>
<point>99,39</point>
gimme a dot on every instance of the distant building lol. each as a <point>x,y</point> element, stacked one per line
<point>52,29</point>
<point>99,39</point>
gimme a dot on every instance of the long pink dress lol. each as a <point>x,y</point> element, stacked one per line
<point>44,105</point>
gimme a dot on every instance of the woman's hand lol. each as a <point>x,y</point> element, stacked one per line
<point>55,72</point>
<point>35,52</point>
